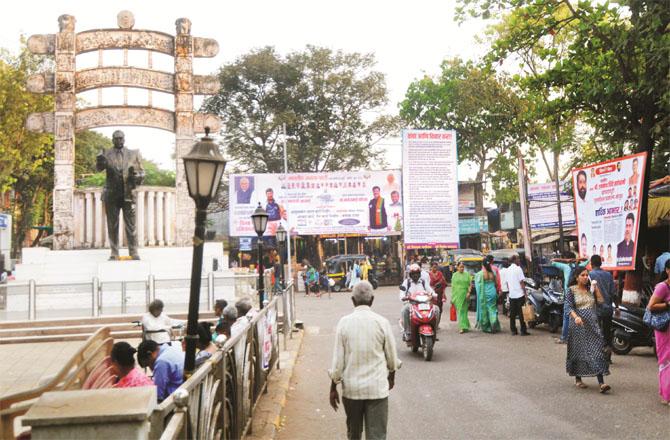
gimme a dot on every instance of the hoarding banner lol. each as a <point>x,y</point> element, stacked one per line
<point>542,205</point>
<point>359,202</point>
<point>607,203</point>
<point>430,186</point>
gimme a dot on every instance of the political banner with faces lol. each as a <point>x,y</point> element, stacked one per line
<point>356,202</point>
<point>608,197</point>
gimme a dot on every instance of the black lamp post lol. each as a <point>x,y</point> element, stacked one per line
<point>281,240</point>
<point>204,167</point>
<point>260,219</point>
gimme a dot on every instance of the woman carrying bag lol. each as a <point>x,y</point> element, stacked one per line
<point>586,347</point>
<point>660,303</point>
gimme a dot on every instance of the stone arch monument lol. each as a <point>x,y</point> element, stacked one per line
<point>66,81</point>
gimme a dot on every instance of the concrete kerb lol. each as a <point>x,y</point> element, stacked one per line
<point>267,416</point>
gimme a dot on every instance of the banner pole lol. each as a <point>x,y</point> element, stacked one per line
<point>288,221</point>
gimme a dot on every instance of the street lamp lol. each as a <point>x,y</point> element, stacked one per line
<point>204,167</point>
<point>281,239</point>
<point>260,219</point>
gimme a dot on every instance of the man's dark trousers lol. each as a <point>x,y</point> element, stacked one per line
<point>113,226</point>
<point>515,305</point>
<point>371,413</point>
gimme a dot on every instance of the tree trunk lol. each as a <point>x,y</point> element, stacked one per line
<point>479,193</point>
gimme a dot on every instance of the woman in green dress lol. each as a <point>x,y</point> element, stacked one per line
<point>487,299</point>
<point>461,281</point>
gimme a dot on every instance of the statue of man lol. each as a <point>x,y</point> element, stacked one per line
<point>124,174</point>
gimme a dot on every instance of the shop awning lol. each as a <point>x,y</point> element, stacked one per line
<point>659,211</point>
<point>548,239</point>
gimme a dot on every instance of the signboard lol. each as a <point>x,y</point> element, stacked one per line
<point>245,243</point>
<point>430,185</point>
<point>542,205</point>
<point>510,220</point>
<point>4,221</point>
<point>475,225</point>
<point>466,198</point>
<point>607,202</point>
<point>359,202</point>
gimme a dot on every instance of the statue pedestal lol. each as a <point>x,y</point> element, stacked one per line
<point>81,266</point>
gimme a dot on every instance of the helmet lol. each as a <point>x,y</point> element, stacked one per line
<point>415,272</point>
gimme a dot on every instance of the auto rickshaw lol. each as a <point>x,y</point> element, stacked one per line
<point>338,267</point>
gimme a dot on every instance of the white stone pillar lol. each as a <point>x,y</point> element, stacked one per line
<point>89,218</point>
<point>169,218</point>
<point>140,225</point>
<point>100,232</point>
<point>151,218</point>
<point>79,220</point>
<point>160,217</point>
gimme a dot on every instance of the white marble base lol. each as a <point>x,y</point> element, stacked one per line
<point>78,266</point>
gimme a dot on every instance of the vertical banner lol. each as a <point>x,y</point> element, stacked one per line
<point>607,206</point>
<point>430,186</point>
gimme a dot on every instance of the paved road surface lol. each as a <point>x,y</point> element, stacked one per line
<point>477,386</point>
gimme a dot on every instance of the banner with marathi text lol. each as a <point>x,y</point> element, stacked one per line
<point>608,197</point>
<point>430,184</point>
<point>354,202</point>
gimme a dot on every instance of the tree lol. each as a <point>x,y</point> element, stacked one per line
<point>26,159</point>
<point>615,72</point>
<point>483,109</point>
<point>87,146</point>
<point>325,98</point>
<point>153,176</point>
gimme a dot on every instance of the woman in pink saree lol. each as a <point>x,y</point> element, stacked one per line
<point>123,366</point>
<point>660,302</point>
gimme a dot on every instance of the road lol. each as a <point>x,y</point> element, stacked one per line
<point>477,386</point>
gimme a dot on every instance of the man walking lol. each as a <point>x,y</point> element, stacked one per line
<point>605,282</point>
<point>364,361</point>
<point>517,295</point>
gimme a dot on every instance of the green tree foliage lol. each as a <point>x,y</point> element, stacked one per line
<point>153,176</point>
<point>26,159</point>
<point>327,99</point>
<point>87,146</point>
<point>483,109</point>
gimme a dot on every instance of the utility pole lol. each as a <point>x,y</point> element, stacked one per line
<point>288,221</point>
<point>561,238</point>
<point>525,221</point>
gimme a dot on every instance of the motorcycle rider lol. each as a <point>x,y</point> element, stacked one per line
<point>414,283</point>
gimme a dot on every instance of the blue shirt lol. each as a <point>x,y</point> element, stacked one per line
<point>659,267</point>
<point>168,371</point>
<point>567,270</point>
<point>606,286</point>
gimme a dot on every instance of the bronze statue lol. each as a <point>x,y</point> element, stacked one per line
<point>124,174</point>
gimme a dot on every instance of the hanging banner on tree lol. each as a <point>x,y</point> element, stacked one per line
<point>357,202</point>
<point>608,197</point>
<point>430,185</point>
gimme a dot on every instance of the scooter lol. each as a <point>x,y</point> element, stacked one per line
<point>630,331</point>
<point>423,322</point>
<point>548,305</point>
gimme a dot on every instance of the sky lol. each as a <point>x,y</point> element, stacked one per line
<point>408,39</point>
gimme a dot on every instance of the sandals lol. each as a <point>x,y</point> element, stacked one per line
<point>581,385</point>
<point>604,388</point>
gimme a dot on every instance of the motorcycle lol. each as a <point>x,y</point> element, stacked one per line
<point>423,321</point>
<point>630,331</point>
<point>548,305</point>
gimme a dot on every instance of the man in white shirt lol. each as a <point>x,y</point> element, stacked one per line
<point>517,295</point>
<point>156,325</point>
<point>504,287</point>
<point>364,362</point>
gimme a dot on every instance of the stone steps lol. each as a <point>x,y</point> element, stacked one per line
<point>80,329</point>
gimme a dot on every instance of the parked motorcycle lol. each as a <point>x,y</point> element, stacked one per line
<point>423,322</point>
<point>630,331</point>
<point>548,305</point>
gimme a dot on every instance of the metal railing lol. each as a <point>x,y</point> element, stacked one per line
<point>218,401</point>
<point>32,301</point>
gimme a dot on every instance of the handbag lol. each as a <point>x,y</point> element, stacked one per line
<point>657,320</point>
<point>452,313</point>
<point>528,311</point>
